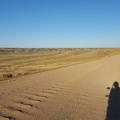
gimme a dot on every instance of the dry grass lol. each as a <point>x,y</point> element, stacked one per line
<point>17,63</point>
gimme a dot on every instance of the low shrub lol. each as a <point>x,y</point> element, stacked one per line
<point>19,74</point>
<point>9,75</point>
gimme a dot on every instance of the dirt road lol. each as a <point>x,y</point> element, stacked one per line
<point>71,93</point>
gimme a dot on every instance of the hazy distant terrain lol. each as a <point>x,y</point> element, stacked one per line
<point>20,61</point>
<point>21,51</point>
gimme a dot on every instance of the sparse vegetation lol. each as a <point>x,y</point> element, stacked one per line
<point>9,75</point>
<point>27,61</point>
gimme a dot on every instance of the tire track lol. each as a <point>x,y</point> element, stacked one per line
<point>23,102</point>
<point>5,117</point>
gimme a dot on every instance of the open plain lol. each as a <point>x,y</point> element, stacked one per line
<point>75,92</point>
<point>15,62</point>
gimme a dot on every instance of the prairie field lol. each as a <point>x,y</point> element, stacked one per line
<point>16,62</point>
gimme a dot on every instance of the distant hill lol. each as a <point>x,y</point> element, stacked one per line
<point>19,51</point>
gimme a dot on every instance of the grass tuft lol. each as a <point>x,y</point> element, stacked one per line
<point>9,75</point>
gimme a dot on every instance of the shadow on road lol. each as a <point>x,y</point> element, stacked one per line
<point>113,110</point>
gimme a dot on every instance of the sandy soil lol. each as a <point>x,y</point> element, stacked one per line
<point>71,93</point>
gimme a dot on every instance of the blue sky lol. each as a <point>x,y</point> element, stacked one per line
<point>59,23</point>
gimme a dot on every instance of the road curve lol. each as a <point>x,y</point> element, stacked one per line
<point>71,93</point>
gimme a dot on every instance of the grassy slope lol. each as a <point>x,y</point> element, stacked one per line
<point>16,65</point>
